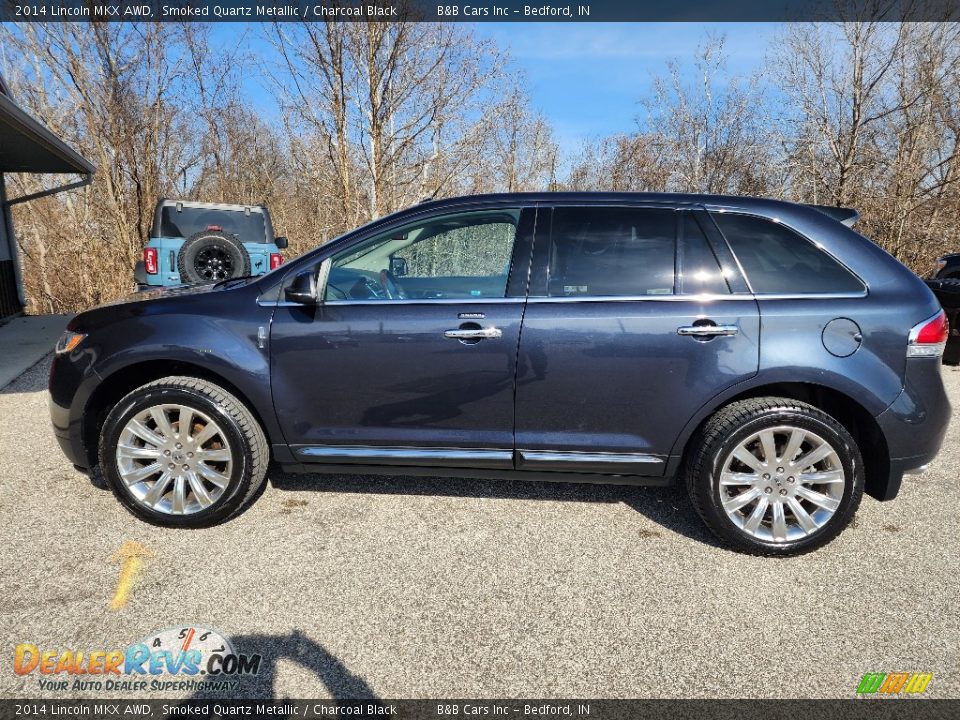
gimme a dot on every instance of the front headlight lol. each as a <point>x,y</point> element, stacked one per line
<point>68,341</point>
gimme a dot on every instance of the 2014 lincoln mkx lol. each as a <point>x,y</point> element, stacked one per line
<point>762,353</point>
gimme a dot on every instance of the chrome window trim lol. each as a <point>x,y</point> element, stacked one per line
<point>405,301</point>
<point>584,298</point>
<point>812,296</point>
<point>574,456</point>
<point>698,298</point>
<point>435,301</point>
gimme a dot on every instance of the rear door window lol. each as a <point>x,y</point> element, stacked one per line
<point>776,260</point>
<point>612,251</point>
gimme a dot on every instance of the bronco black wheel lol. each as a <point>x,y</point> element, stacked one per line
<point>212,256</point>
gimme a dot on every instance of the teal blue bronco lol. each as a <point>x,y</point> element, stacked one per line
<point>194,242</point>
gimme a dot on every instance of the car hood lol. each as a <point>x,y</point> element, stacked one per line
<point>165,292</point>
<point>150,302</point>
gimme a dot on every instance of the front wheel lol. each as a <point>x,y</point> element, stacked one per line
<point>773,476</point>
<point>183,452</point>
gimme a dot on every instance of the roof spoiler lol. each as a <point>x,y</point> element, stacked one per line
<point>847,216</point>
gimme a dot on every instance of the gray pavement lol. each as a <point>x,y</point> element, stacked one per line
<point>396,587</point>
<point>25,341</point>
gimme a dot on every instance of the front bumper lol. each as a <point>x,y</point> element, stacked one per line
<point>66,394</point>
<point>69,435</point>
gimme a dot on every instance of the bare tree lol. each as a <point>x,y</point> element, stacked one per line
<point>871,115</point>
<point>392,105</point>
<point>709,133</point>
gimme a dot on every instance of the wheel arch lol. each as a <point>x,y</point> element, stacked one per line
<point>848,411</point>
<point>115,386</point>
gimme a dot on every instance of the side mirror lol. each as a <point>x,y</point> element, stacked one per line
<point>398,266</point>
<point>281,243</point>
<point>303,289</point>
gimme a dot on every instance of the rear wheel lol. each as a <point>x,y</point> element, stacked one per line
<point>183,452</point>
<point>773,476</point>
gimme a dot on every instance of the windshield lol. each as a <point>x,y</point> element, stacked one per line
<point>248,227</point>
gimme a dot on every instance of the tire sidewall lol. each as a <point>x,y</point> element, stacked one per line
<point>145,398</point>
<point>199,242</point>
<point>847,452</point>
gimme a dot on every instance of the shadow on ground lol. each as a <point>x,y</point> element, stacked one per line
<point>668,507</point>
<point>332,675</point>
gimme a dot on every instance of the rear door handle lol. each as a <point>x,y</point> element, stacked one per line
<point>708,330</point>
<point>487,333</point>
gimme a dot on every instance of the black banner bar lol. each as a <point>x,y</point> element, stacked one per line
<point>476,11</point>
<point>854,709</point>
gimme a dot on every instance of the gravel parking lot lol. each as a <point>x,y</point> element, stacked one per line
<point>402,587</point>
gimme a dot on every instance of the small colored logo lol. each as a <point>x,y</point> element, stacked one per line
<point>900,683</point>
<point>194,655</point>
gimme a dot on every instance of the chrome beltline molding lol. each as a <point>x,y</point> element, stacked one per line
<point>583,298</point>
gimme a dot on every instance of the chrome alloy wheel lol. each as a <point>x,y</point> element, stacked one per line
<point>782,484</point>
<point>174,459</point>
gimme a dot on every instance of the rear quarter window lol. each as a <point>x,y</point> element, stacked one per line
<point>776,259</point>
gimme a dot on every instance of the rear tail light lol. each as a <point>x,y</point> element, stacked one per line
<point>927,339</point>
<point>276,260</point>
<point>150,260</point>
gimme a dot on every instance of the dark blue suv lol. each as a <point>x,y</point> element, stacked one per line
<point>763,353</point>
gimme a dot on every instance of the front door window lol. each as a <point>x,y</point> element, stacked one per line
<point>459,256</point>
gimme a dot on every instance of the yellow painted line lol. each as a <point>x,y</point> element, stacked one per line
<point>131,556</point>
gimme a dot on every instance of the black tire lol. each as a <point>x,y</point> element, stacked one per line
<point>211,256</point>
<point>248,444</point>
<point>735,423</point>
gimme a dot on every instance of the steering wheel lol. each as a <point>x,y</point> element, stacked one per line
<point>389,284</point>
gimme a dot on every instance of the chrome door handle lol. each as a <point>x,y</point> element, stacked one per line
<point>708,330</point>
<point>487,333</point>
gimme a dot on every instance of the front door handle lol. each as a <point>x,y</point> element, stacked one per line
<point>708,330</point>
<point>487,333</point>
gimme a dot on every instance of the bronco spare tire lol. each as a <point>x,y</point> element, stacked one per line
<point>211,256</point>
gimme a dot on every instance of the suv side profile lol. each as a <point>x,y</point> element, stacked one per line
<point>197,242</point>
<point>763,353</point>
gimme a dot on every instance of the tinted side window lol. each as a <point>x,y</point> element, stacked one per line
<point>700,270</point>
<point>465,255</point>
<point>778,260</point>
<point>612,251</point>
